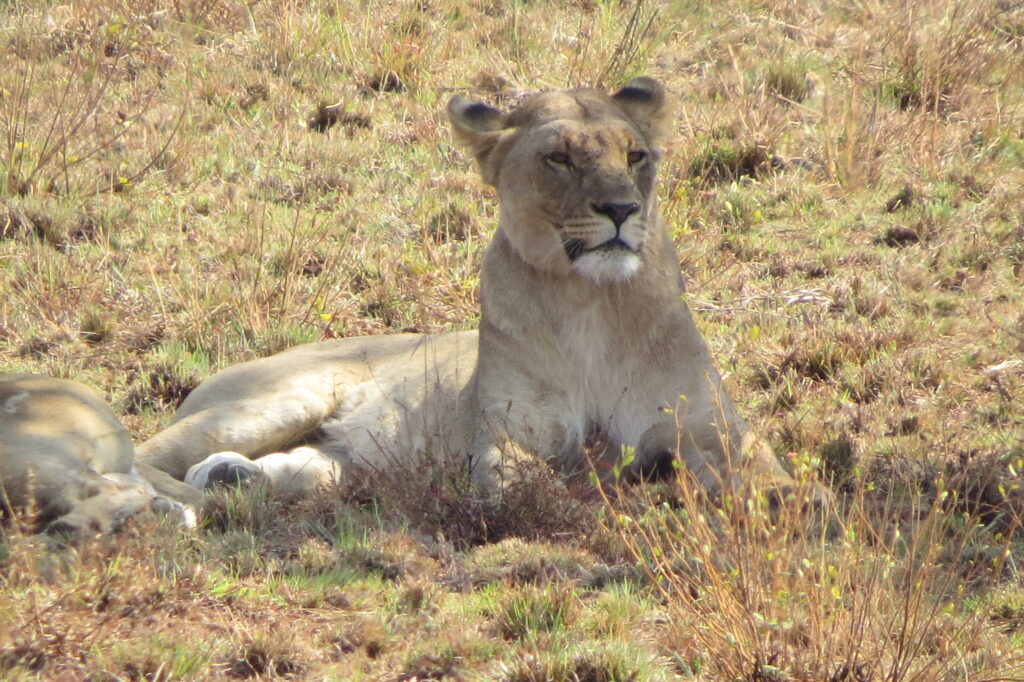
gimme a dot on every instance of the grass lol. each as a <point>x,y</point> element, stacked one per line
<point>185,186</point>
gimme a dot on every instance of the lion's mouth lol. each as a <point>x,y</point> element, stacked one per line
<point>613,244</point>
<point>574,248</point>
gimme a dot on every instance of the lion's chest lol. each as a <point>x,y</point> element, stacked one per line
<point>603,378</point>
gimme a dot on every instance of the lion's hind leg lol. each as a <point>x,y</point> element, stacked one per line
<point>251,427</point>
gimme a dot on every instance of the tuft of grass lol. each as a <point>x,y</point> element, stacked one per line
<point>250,509</point>
<point>96,326</point>
<point>728,160</point>
<point>165,387</point>
<point>436,665</point>
<point>791,79</point>
<point>266,656</point>
<point>530,611</point>
<point>612,664</point>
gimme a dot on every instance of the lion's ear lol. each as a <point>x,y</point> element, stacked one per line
<point>478,126</point>
<point>645,102</point>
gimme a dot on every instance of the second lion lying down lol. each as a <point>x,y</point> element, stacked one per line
<point>583,333</point>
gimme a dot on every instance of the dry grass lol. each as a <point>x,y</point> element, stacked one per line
<point>186,185</point>
<point>887,585</point>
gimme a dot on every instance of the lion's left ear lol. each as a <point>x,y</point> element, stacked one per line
<point>645,102</point>
<point>478,126</point>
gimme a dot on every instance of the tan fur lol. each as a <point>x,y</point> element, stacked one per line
<point>583,331</point>
<point>65,457</point>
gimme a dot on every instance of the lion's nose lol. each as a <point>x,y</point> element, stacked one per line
<point>616,212</point>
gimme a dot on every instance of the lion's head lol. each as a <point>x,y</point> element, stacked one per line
<point>574,170</point>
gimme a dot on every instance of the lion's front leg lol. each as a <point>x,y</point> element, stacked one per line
<point>665,446</point>
<point>718,456</point>
<point>494,462</point>
<point>507,443</point>
<point>721,459</point>
<point>88,502</point>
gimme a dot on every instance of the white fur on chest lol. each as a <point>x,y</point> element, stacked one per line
<point>602,388</point>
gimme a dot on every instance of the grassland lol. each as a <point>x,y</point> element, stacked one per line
<point>187,185</point>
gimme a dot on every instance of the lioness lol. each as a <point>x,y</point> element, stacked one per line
<point>65,454</point>
<point>583,333</point>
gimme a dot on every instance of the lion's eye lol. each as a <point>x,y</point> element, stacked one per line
<point>636,156</point>
<point>558,159</point>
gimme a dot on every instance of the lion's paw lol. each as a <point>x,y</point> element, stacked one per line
<point>223,468</point>
<point>181,513</point>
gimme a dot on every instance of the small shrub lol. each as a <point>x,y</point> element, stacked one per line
<point>262,657</point>
<point>436,665</point>
<point>728,160</point>
<point>876,587</point>
<point>437,498</point>
<point>96,326</point>
<point>790,80</point>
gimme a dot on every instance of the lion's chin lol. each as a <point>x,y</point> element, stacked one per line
<point>607,266</point>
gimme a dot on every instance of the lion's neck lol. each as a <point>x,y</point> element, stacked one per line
<point>520,298</point>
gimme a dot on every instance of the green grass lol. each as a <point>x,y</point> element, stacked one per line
<point>845,189</point>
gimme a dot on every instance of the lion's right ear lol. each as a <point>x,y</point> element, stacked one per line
<point>478,126</point>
